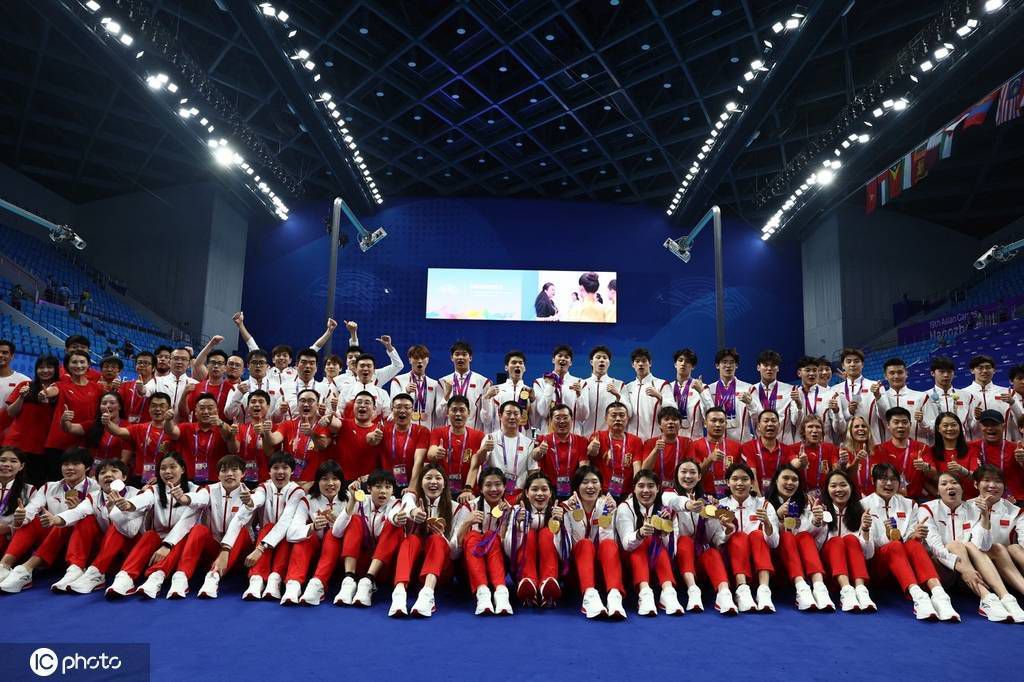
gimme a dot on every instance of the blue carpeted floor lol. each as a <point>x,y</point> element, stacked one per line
<point>231,639</point>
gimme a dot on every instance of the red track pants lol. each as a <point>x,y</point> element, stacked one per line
<point>711,563</point>
<point>844,556</point>
<point>607,554</point>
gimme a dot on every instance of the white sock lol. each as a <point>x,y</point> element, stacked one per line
<point>724,588</point>
<point>916,592</point>
<point>799,581</point>
<point>937,591</point>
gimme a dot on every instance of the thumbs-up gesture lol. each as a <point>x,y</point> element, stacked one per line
<point>920,531</point>
<point>351,326</point>
<point>698,384</point>
<point>977,411</point>
<point>865,521</point>
<point>794,396</point>
<point>19,514</point>
<point>105,419</point>
<point>817,512</point>
<point>747,397</point>
<point>833,403</point>
<point>446,385</point>
<point>802,458</point>
<point>67,416</point>
<point>238,318</point>
<point>919,463</point>
<point>245,496</point>
<point>876,389</point>
<point>717,455</point>
<point>653,392</point>
<point>854,406</point>
<point>305,428</point>
<point>1018,453</point>
<point>540,450</point>
<point>919,415</point>
<point>576,387</point>
<point>43,398</point>
<point>487,444</point>
<point>593,447</point>
<point>49,520</point>
<point>613,389</point>
<point>376,436</point>
<point>242,387</point>
<point>385,340</point>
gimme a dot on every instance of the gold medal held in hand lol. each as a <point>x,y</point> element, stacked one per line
<point>725,515</point>
<point>578,515</point>
<point>360,496</point>
<point>790,523</point>
<point>895,535</point>
<point>709,511</point>
<point>605,521</point>
<point>554,526</point>
<point>497,513</point>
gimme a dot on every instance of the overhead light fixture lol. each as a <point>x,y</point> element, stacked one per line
<point>941,53</point>
<point>792,23</point>
<point>778,27</point>
<point>268,9</point>
<point>93,6</point>
<point>900,104</point>
<point>994,5</point>
<point>127,40</point>
<point>113,28</point>
<point>826,177</point>
<point>282,16</point>
<point>877,112</point>
<point>926,65</point>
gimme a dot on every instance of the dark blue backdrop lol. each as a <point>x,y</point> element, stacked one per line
<point>663,304</point>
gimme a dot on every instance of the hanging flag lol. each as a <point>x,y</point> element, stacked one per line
<point>977,114</point>
<point>872,198</point>
<point>1011,98</point>
<point>922,160</point>
<point>908,171</point>
<point>895,179</point>
<point>883,188</point>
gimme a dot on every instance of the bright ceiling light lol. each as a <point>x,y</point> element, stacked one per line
<point>127,40</point>
<point>778,27</point>
<point>926,65</point>
<point>900,104</point>
<point>93,6</point>
<point>792,23</point>
<point>877,112</point>
<point>826,177</point>
<point>993,5</point>
<point>268,9</point>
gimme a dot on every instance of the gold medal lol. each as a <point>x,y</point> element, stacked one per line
<point>497,513</point>
<point>710,511</point>
<point>725,515</point>
<point>554,526</point>
<point>664,524</point>
<point>790,523</point>
<point>578,515</point>
<point>895,535</point>
<point>416,416</point>
<point>605,521</point>
<point>524,394</point>
<point>360,496</point>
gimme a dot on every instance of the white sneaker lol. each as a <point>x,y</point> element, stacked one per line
<point>592,606</point>
<point>1013,608</point>
<point>502,604</point>
<point>848,599</point>
<point>804,597</point>
<point>4,572</point>
<point>993,609</point>
<point>615,609</point>
<point>944,607</point>
<point>822,599</point>
<point>669,601</point>
<point>398,602</point>
<point>179,586</point>
<point>483,601</point>
<point>90,581</point>
<point>724,603</point>
<point>255,589</point>
<point>122,586</point>
<point>364,592</point>
<point>347,593</point>
<point>864,599</point>
<point>313,594</point>
<point>17,580</point>
<point>273,588</point>
<point>744,600</point>
<point>424,606</point>
<point>645,602</point>
<point>764,599</point>
<point>292,592</point>
<point>923,608</point>
<point>151,588</point>
<point>211,585</point>
<point>694,601</point>
<point>71,575</point>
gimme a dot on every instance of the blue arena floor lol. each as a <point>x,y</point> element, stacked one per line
<point>229,639</point>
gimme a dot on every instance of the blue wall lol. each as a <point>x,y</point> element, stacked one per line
<point>663,304</point>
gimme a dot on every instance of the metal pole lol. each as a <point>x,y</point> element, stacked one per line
<point>719,280</point>
<point>332,269</point>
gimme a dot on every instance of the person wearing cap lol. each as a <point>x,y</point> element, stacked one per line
<point>1014,399</point>
<point>983,390</point>
<point>996,449</point>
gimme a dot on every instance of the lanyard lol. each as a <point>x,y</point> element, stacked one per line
<point>809,405</point>
<point>622,454</point>
<point>460,387</point>
<point>725,397</point>
<point>405,445</point>
<point>451,447</point>
<point>145,445</point>
<point>420,404</point>
<point>760,456</point>
<point>195,447</point>
<point>568,455</point>
<point>504,456</point>
<point>682,396</point>
<point>768,400</point>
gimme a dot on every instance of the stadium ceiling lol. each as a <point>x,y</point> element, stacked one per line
<point>603,100</point>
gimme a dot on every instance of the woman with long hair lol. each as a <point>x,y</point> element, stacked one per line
<point>31,413</point>
<point>842,529</point>
<point>532,541</point>
<point>426,512</point>
<point>591,531</point>
<point>951,453</point>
